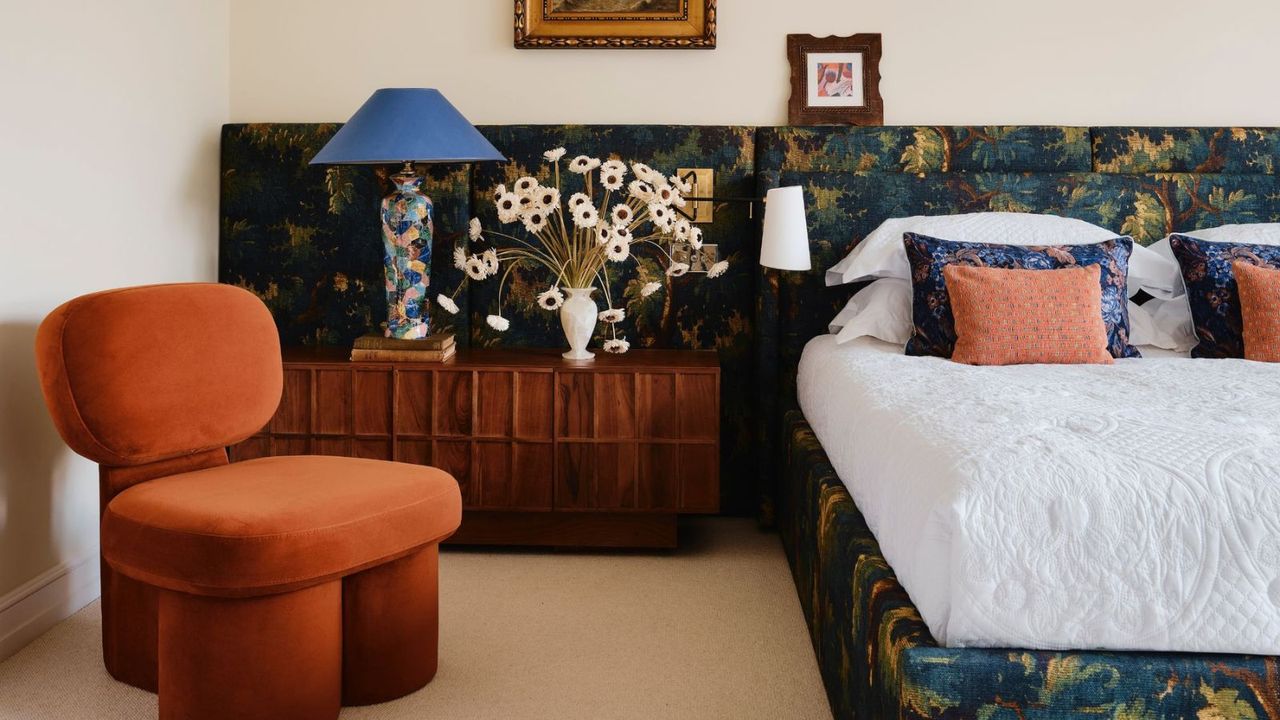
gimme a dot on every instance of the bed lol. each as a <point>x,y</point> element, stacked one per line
<point>852,553</point>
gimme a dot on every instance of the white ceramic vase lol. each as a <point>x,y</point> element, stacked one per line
<point>578,318</point>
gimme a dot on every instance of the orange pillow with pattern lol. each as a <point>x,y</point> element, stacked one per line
<point>1013,317</point>
<point>1259,289</point>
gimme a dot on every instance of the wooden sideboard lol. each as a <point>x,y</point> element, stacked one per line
<point>600,453</point>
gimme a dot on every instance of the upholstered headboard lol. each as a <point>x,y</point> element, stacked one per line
<point>306,239</point>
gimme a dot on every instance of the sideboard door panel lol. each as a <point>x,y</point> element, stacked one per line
<point>532,476</point>
<point>615,406</point>
<point>454,457</point>
<point>575,475</point>
<point>293,417</point>
<point>659,487</point>
<point>535,401</point>
<point>657,405</point>
<point>413,403</point>
<point>699,478</point>
<point>616,476</point>
<point>493,473</point>
<point>453,403</point>
<point>575,398</point>
<point>494,404</point>
<point>333,402</point>
<point>373,412</point>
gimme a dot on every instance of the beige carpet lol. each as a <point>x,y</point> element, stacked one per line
<point>713,630</point>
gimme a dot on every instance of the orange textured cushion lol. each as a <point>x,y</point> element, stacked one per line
<point>1008,317</point>
<point>1259,289</point>
<point>143,374</point>
<point>275,524</point>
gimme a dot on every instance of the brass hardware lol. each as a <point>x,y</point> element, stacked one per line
<point>703,181</point>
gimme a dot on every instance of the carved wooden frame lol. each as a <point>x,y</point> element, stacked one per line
<point>697,30</point>
<point>799,112</point>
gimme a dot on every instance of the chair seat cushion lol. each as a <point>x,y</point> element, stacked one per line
<point>276,524</point>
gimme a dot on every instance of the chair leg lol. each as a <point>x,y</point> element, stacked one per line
<point>129,617</point>
<point>390,627</point>
<point>275,657</point>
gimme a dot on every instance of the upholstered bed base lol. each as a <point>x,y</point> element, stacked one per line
<point>878,659</point>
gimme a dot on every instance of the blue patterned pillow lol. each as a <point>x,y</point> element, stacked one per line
<point>1211,290</point>
<point>934,332</point>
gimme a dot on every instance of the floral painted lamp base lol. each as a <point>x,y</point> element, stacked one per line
<point>406,236</point>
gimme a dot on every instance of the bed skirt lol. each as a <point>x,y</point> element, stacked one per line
<point>878,659</point>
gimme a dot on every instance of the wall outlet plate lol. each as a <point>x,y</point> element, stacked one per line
<point>700,261</point>
<point>703,181</point>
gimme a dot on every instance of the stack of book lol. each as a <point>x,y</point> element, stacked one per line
<point>433,348</point>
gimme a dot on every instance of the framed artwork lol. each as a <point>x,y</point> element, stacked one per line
<point>835,80</point>
<point>615,23</point>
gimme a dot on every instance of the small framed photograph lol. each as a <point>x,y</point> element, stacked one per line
<point>835,80</point>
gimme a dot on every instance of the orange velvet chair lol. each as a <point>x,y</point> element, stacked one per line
<point>274,588</point>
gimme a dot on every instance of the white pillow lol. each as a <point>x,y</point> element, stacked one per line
<point>881,254</point>
<point>1252,233</point>
<point>881,310</point>
<point>1161,323</point>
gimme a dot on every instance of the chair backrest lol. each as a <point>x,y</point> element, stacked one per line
<point>143,374</point>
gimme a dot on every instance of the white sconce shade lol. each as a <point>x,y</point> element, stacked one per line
<point>786,232</point>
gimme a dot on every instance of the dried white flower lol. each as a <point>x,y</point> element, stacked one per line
<point>498,191</point>
<point>661,216</point>
<point>650,288</point>
<point>475,268</point>
<point>535,221</point>
<point>695,238</point>
<point>473,229</point>
<point>640,190</point>
<point>578,199</point>
<point>551,299</point>
<point>681,185</point>
<point>554,154</point>
<point>447,303</point>
<point>611,178</point>
<point>622,214</point>
<point>604,233</point>
<point>460,258</point>
<point>677,269</point>
<point>612,315</point>
<point>583,164</point>
<point>646,173</point>
<point>618,250</point>
<point>614,166</point>
<point>508,207</point>
<point>681,229</point>
<point>623,233</point>
<point>585,216</point>
<point>526,185</point>
<point>490,259</point>
<point>497,322</point>
<point>548,198</point>
<point>664,193</point>
<point>718,269</point>
<point>677,200</point>
<point>616,346</point>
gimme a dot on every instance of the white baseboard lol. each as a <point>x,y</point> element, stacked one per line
<point>46,600</point>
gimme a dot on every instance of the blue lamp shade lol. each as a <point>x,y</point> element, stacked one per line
<point>398,125</point>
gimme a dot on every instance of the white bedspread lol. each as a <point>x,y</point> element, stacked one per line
<point>1132,507</point>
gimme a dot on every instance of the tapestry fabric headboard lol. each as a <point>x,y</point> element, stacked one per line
<point>306,239</point>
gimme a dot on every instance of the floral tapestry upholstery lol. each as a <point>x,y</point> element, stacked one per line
<point>878,659</point>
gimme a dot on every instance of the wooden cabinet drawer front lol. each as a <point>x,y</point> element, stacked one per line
<point>453,403</point>
<point>495,407</point>
<point>372,414</point>
<point>413,402</point>
<point>575,404</point>
<point>294,414</point>
<point>332,402</point>
<point>535,405</point>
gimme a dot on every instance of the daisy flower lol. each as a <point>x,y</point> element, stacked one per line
<point>616,346</point>
<point>525,202</point>
<point>646,173</point>
<point>447,303</point>
<point>583,164</point>
<point>681,185</point>
<point>554,154</point>
<point>490,259</point>
<point>548,198</point>
<point>585,216</point>
<point>499,191</point>
<point>623,233</point>
<point>661,216</point>
<point>508,207</point>
<point>460,258</point>
<point>664,193</point>
<point>577,199</point>
<point>695,238</point>
<point>618,250</point>
<point>622,214</point>
<point>650,288</point>
<point>612,315</point>
<point>681,229</point>
<point>614,166</point>
<point>551,299</point>
<point>640,190</point>
<point>677,200</point>
<point>535,221</point>
<point>718,269</point>
<point>611,180</point>
<point>677,269</point>
<point>473,229</point>
<point>604,233</point>
<point>526,185</point>
<point>475,268</point>
<point>497,322</point>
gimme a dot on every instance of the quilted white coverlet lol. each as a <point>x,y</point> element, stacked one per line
<point>1129,507</point>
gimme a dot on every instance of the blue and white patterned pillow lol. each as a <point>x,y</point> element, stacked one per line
<point>934,332</point>
<point>1212,293</point>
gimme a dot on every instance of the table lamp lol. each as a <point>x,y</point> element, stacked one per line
<point>785,242</point>
<point>406,125</point>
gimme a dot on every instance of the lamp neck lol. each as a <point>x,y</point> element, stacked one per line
<point>408,169</point>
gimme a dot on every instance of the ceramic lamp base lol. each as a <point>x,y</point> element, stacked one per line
<point>406,237</point>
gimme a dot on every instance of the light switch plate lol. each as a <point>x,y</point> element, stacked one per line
<point>703,181</point>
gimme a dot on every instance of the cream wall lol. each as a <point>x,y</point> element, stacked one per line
<point>1081,62</point>
<point>108,176</point>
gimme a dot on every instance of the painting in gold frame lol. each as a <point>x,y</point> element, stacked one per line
<point>615,24</point>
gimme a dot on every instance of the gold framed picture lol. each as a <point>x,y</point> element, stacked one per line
<point>615,24</point>
<point>835,80</point>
